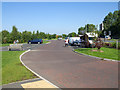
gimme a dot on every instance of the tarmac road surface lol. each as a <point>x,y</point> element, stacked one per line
<point>66,69</point>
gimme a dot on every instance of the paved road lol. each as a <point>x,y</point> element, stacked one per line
<point>4,48</point>
<point>66,69</point>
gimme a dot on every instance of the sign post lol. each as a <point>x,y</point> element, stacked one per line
<point>104,35</point>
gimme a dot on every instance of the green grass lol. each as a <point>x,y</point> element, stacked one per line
<point>7,44</point>
<point>3,45</point>
<point>112,39</point>
<point>12,69</point>
<point>50,39</point>
<point>108,53</point>
<point>45,41</point>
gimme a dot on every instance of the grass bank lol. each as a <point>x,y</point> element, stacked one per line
<point>108,53</point>
<point>12,69</point>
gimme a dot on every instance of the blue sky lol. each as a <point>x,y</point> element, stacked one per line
<point>54,17</point>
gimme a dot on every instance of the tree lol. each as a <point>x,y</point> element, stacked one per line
<point>26,36</point>
<point>73,34</point>
<point>81,30</point>
<point>90,27</point>
<point>111,23</point>
<point>5,35</point>
<point>108,21</point>
<point>42,35</point>
<point>53,36</point>
<point>48,36</point>
<point>34,35</point>
<point>64,35</point>
<point>37,34</point>
<point>14,34</point>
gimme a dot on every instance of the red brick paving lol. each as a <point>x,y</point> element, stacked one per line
<point>66,69</point>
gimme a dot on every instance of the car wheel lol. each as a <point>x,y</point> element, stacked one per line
<point>29,42</point>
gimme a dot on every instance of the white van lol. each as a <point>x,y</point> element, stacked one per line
<point>74,40</point>
<point>91,37</point>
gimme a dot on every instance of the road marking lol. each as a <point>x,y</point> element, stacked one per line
<point>35,72</point>
<point>38,84</point>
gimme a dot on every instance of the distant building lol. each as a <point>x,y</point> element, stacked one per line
<point>101,26</point>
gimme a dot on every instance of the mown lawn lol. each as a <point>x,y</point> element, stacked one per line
<point>3,45</point>
<point>45,41</point>
<point>7,44</point>
<point>108,53</point>
<point>12,69</point>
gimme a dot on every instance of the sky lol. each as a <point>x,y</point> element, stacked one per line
<point>54,17</point>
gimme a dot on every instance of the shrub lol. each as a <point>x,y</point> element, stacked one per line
<point>111,44</point>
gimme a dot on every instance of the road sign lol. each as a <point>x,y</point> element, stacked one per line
<point>104,32</point>
<point>109,32</point>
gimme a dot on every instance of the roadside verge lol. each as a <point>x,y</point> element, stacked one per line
<point>95,56</point>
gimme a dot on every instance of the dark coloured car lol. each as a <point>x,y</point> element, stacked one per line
<point>35,41</point>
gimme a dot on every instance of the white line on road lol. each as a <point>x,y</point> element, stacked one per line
<point>33,71</point>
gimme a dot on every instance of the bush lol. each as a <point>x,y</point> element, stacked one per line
<point>107,44</point>
<point>111,45</point>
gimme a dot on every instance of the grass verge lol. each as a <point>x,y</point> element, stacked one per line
<point>7,44</point>
<point>45,41</point>
<point>12,69</point>
<point>3,45</point>
<point>108,53</point>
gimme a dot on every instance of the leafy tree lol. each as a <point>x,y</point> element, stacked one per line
<point>14,34</point>
<point>26,36</point>
<point>111,23</point>
<point>81,30</point>
<point>64,35</point>
<point>90,27</point>
<point>108,20</point>
<point>34,35</point>
<point>73,34</point>
<point>48,36</point>
<point>53,36</point>
<point>42,35</point>
<point>37,34</point>
<point>5,35</point>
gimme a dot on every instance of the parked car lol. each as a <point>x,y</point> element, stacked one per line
<point>107,37</point>
<point>59,38</point>
<point>35,41</point>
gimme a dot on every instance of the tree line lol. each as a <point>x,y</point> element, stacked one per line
<point>9,37</point>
